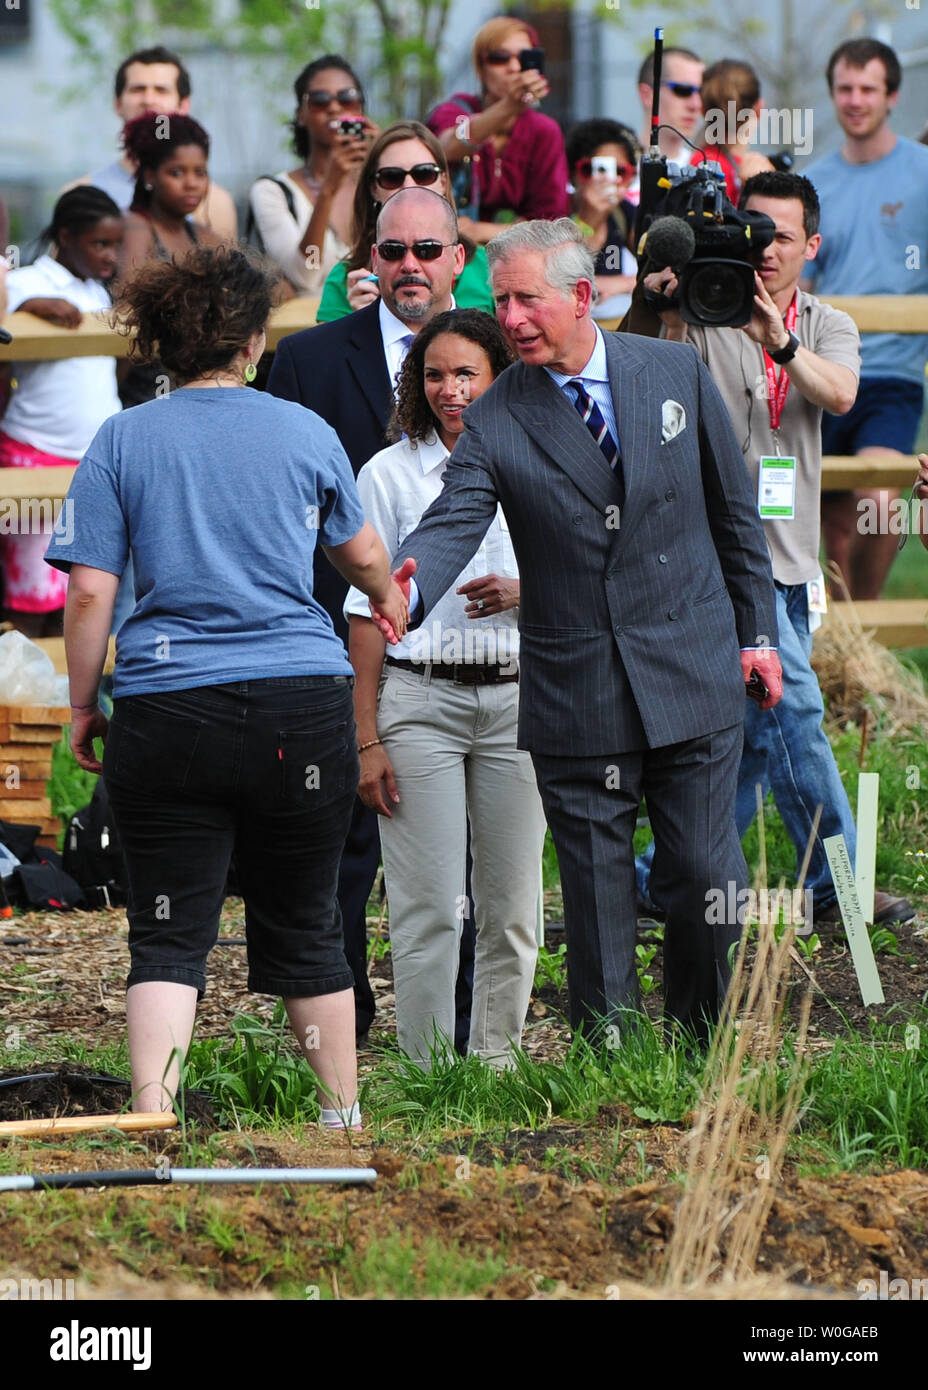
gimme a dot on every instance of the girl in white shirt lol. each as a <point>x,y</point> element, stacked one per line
<point>437,725</point>
<point>56,407</point>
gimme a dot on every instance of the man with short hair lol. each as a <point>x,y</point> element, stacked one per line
<point>643,571</point>
<point>155,79</point>
<point>680,101</point>
<point>795,358</point>
<point>874,197</point>
<point>345,371</point>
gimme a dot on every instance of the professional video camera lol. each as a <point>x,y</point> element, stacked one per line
<point>687,222</point>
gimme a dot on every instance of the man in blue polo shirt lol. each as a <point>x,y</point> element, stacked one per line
<point>874,199</point>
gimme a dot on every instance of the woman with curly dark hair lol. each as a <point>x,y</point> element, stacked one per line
<point>232,732</point>
<point>405,155</point>
<point>437,726</point>
<point>304,215</point>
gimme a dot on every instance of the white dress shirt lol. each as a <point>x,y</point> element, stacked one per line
<point>396,487</point>
<point>595,378</point>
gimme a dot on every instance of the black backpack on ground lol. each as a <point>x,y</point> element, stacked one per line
<point>39,880</point>
<point>93,855</point>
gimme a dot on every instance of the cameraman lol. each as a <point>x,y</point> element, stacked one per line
<point>795,358</point>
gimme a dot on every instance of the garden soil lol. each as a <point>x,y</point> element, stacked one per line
<point>577,1211</point>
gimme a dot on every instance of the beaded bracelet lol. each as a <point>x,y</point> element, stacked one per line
<point>363,747</point>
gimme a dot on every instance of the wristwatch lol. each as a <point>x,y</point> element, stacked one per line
<point>786,354</point>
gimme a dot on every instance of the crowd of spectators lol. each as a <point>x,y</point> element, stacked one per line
<point>405,298</point>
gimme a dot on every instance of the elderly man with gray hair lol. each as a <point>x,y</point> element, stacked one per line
<point>647,606</point>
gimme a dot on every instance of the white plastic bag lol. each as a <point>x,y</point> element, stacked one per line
<point>27,674</point>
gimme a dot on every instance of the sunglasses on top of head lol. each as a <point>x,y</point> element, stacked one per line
<point>622,171</point>
<point>426,250</point>
<point>682,89</point>
<point>320,98</point>
<point>393,176</point>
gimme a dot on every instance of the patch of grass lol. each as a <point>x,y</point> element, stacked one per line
<point>257,1074</point>
<point>867,1098</point>
<point>395,1267</point>
<point>656,1079</point>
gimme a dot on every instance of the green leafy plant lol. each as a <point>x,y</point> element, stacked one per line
<point>643,958</point>
<point>551,967</point>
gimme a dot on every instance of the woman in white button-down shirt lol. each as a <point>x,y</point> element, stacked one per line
<point>437,726</point>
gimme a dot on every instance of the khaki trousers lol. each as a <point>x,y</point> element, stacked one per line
<point>453,749</point>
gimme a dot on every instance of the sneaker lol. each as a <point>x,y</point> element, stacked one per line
<point>887,911</point>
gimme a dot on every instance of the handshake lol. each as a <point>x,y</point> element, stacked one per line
<point>391,613</point>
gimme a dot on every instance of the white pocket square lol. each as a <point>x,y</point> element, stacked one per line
<point>673,420</point>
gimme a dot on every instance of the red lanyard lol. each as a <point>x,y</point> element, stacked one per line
<point>777,391</point>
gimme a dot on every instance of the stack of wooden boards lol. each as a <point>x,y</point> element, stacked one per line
<point>28,734</point>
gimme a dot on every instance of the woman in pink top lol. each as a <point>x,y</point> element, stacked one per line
<point>516,153</point>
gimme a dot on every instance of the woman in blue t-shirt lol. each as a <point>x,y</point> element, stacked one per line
<point>232,735</point>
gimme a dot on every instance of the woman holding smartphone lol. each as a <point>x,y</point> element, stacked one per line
<point>517,160</point>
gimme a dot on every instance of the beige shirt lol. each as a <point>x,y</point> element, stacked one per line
<point>736,365</point>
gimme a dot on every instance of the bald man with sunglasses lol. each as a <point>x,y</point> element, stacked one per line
<point>345,371</point>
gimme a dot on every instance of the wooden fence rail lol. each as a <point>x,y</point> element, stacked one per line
<point>899,623</point>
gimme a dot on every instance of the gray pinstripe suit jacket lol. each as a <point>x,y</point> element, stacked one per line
<point>629,633</point>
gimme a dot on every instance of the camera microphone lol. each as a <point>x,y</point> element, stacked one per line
<point>669,241</point>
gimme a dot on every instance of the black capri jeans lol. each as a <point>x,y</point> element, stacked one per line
<point>266,770</point>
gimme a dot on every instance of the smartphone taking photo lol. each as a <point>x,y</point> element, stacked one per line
<point>532,58</point>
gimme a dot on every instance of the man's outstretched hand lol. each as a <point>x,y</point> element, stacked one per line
<point>766,664</point>
<point>392,614</point>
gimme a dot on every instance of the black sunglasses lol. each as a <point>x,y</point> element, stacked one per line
<point>681,89</point>
<point>319,97</point>
<point>393,176</point>
<point>497,57</point>
<point>429,250</point>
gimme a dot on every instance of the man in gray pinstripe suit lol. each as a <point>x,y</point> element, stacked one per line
<point>644,570</point>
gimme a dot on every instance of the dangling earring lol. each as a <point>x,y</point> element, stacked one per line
<point>148,187</point>
<point>251,372</point>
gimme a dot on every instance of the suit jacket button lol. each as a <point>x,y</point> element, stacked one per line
<point>669,496</point>
<point>673,615</point>
<point>662,559</point>
<point>619,631</point>
<point>576,518</point>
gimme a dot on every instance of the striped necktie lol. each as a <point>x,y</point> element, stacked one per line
<point>592,417</point>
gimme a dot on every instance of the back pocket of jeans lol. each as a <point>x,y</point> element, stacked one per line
<point>317,766</point>
<point>152,751</point>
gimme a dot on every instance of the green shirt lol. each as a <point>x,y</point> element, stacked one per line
<point>471,289</point>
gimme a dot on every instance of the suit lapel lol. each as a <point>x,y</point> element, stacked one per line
<point>548,417</point>
<point>367,363</point>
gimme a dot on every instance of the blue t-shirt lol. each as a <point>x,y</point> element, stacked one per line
<point>221,495</point>
<point>875,241</point>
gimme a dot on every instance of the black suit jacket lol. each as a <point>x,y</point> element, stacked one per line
<point>339,370</point>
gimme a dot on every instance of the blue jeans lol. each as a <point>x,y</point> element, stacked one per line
<point>787,751</point>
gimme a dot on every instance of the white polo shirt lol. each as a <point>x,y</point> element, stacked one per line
<point>396,487</point>
<point>59,406</point>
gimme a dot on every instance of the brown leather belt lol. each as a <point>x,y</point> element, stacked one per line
<point>470,674</point>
